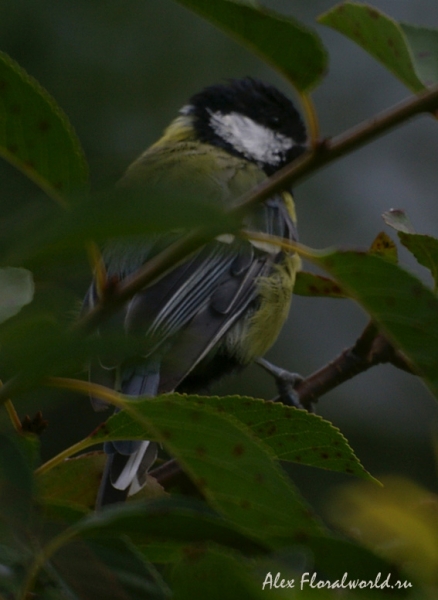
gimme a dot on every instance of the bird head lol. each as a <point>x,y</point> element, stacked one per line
<point>249,119</point>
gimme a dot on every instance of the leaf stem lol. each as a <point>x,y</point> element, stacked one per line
<point>62,456</point>
<point>40,559</point>
<point>311,118</point>
<point>13,416</point>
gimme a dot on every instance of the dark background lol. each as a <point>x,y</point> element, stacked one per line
<point>121,70</point>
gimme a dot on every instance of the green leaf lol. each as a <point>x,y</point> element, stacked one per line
<point>284,43</point>
<point>108,569</point>
<point>425,250</point>
<point>405,309</point>
<point>74,481</point>
<point>214,574</point>
<point>336,556</point>
<point>168,519</point>
<point>36,136</point>
<point>233,470</point>
<point>146,209</point>
<point>36,344</point>
<point>384,247</point>
<point>309,284</point>
<point>379,35</point>
<point>291,434</point>
<point>423,43</point>
<point>16,290</point>
<point>16,480</point>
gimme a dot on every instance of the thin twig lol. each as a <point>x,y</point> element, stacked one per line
<point>321,155</point>
<point>370,349</point>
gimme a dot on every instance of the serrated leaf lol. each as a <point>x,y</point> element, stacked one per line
<point>379,35</point>
<point>398,220</point>
<point>284,43</point>
<point>309,284</point>
<point>292,435</point>
<point>425,250</point>
<point>384,247</point>
<point>233,470</point>
<point>405,309</point>
<point>36,136</point>
<point>16,290</point>
<point>423,43</point>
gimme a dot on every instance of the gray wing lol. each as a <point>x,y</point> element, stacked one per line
<point>181,318</point>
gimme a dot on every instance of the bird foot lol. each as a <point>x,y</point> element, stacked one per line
<point>286,382</point>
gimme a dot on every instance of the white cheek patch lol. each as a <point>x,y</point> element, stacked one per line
<point>255,141</point>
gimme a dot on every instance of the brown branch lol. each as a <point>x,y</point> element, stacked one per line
<point>370,349</point>
<point>324,153</point>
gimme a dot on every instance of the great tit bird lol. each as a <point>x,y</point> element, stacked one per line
<point>222,307</point>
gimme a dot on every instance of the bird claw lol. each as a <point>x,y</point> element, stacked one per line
<point>286,383</point>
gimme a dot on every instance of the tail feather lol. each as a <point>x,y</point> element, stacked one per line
<point>129,461</point>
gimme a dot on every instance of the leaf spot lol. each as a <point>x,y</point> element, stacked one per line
<point>238,450</point>
<point>44,125</point>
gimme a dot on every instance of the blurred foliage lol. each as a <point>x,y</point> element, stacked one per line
<point>248,520</point>
<point>400,521</point>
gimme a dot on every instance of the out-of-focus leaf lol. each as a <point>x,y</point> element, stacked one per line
<point>399,521</point>
<point>75,482</point>
<point>236,472</point>
<point>337,556</point>
<point>214,574</point>
<point>12,566</point>
<point>379,35</point>
<point>384,247</point>
<point>423,43</point>
<point>38,344</point>
<point>309,284</point>
<point>36,136</point>
<point>16,290</point>
<point>108,569</point>
<point>144,210</point>
<point>398,220</point>
<point>167,520</point>
<point>425,250</point>
<point>405,309</point>
<point>291,434</point>
<point>16,481</point>
<point>284,43</point>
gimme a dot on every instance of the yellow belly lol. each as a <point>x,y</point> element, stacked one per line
<point>252,337</point>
